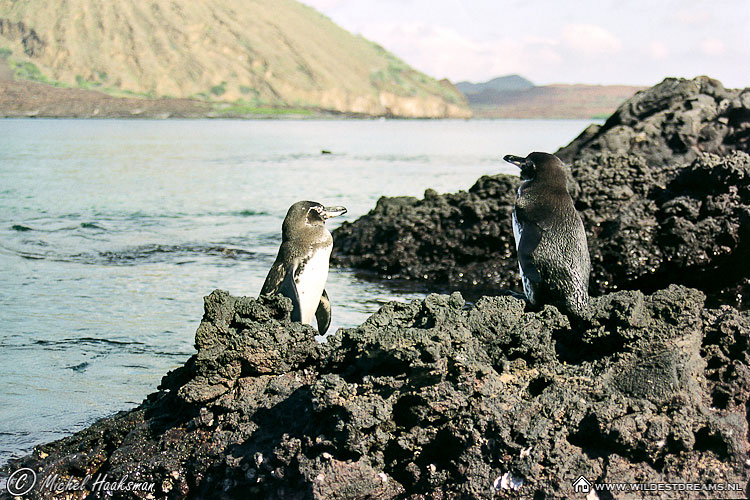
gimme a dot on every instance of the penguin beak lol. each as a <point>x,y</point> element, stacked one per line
<point>329,212</point>
<point>515,160</point>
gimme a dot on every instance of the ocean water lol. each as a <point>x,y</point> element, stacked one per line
<point>113,231</point>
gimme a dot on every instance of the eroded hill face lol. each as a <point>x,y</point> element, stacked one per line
<point>279,52</point>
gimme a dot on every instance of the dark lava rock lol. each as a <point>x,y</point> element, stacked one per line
<point>435,400</point>
<point>673,121</point>
<point>658,208</point>
<point>463,239</point>
<point>647,225</point>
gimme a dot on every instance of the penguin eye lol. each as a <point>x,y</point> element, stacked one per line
<point>528,170</point>
<point>315,214</point>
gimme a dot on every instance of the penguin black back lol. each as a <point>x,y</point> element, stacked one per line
<point>544,193</point>
<point>551,242</point>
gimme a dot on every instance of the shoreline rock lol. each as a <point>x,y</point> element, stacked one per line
<point>647,227</point>
<point>25,99</point>
<point>28,99</point>
<point>672,122</point>
<point>655,213</point>
<point>435,399</point>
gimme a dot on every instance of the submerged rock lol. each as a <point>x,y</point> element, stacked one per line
<point>435,399</point>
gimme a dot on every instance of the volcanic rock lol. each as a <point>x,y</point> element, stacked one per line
<point>673,121</point>
<point>662,188</point>
<point>651,226</point>
<point>648,226</point>
<point>435,399</point>
<point>461,239</point>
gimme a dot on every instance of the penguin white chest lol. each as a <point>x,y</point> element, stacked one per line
<point>311,282</point>
<point>528,290</point>
<point>517,229</point>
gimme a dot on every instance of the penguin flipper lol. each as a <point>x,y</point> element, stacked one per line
<point>278,270</point>
<point>273,280</point>
<point>323,313</point>
<point>288,288</point>
<point>530,238</point>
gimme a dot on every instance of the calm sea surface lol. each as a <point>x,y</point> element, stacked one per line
<point>112,231</point>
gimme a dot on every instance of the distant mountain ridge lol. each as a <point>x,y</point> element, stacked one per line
<point>250,52</point>
<point>499,84</point>
<point>513,96</point>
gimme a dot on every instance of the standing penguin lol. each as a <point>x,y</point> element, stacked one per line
<point>553,255</point>
<point>301,267</point>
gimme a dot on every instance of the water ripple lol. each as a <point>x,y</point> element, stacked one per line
<point>143,254</point>
<point>163,253</point>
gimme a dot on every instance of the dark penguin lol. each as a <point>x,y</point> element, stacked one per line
<point>553,255</point>
<point>301,267</point>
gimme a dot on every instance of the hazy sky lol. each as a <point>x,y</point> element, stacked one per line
<point>637,42</point>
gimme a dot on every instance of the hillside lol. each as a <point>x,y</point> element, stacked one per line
<point>515,97</point>
<point>248,52</point>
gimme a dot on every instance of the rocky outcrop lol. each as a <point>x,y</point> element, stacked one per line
<point>672,122</point>
<point>463,240</point>
<point>29,39</point>
<point>435,399</point>
<point>23,98</point>
<point>647,226</point>
<point>650,226</point>
<point>657,217</point>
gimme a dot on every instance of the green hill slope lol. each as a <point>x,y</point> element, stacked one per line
<point>253,52</point>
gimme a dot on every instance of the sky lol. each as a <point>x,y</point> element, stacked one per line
<point>631,42</point>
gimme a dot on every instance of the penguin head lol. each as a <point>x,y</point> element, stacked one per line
<point>306,215</point>
<point>542,166</point>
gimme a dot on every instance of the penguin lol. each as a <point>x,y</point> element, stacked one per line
<point>301,267</point>
<point>553,254</point>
